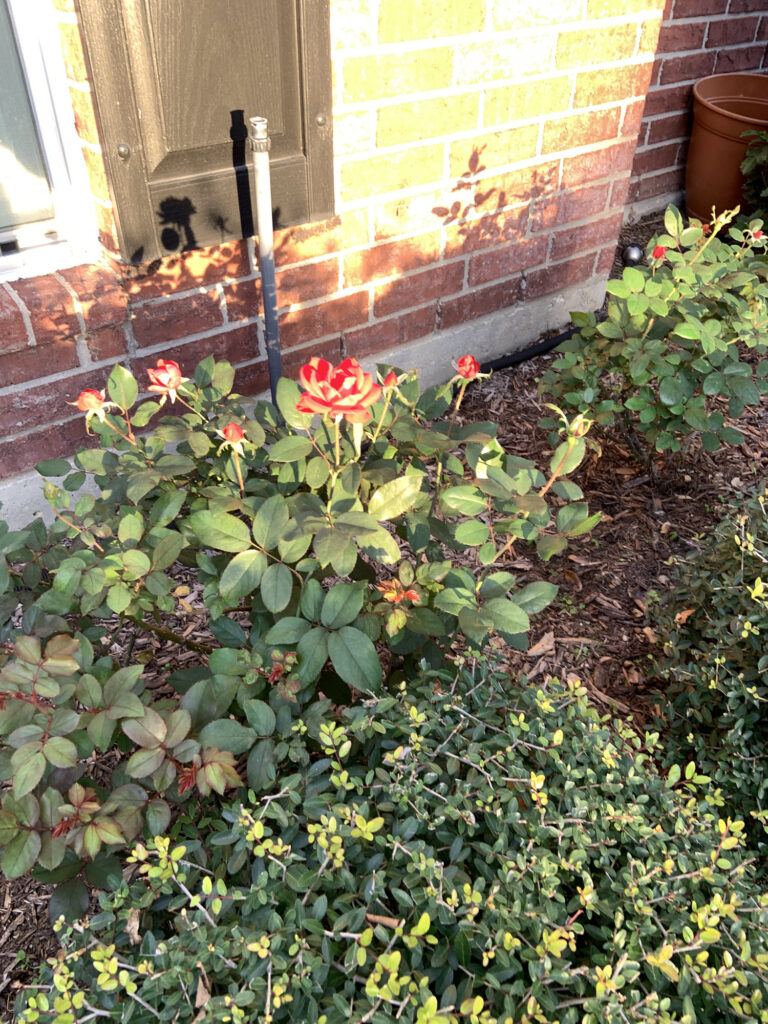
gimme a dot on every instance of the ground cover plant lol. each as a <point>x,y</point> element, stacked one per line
<point>460,851</point>
<point>326,537</point>
<point>674,341</point>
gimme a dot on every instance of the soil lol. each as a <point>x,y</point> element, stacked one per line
<point>596,628</point>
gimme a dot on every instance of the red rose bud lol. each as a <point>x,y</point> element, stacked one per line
<point>468,367</point>
<point>345,390</point>
<point>89,401</point>
<point>390,381</point>
<point>165,378</point>
<point>757,234</point>
<point>233,433</point>
<point>659,252</point>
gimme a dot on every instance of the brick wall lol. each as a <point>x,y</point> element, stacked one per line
<point>698,38</point>
<point>483,154</point>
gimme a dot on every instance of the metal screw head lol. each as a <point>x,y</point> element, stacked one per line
<point>632,254</point>
<point>123,150</point>
<point>320,120</point>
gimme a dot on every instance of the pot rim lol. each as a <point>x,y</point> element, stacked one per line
<point>737,75</point>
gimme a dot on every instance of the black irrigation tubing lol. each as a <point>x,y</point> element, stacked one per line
<point>513,358</point>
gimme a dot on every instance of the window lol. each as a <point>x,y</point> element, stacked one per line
<point>175,83</point>
<point>46,216</point>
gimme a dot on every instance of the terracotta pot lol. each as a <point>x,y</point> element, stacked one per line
<point>724,106</point>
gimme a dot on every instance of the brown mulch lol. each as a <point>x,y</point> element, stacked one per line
<point>595,628</point>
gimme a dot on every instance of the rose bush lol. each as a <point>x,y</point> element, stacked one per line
<point>327,554</point>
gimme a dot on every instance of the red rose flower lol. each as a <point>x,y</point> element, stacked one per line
<point>659,251</point>
<point>345,390</point>
<point>233,433</point>
<point>394,592</point>
<point>468,367</point>
<point>90,401</point>
<point>390,381</point>
<point>165,378</point>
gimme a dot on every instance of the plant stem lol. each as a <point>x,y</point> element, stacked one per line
<point>168,634</point>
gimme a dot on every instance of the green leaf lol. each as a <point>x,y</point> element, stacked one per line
<point>20,854</point>
<point>227,734</point>
<point>243,574</point>
<point>312,650</point>
<point>355,659</point>
<point>634,279</point>
<point>28,774</point>
<point>396,497</point>
<point>141,483</point>
<point>288,394</point>
<point>506,616</point>
<point>167,507</point>
<point>536,596</point>
<point>261,717</point>
<point>271,521</point>
<point>618,288</point>
<point>144,763</point>
<point>342,604</point>
<point>287,631</point>
<point>122,387</point>
<point>567,456</point>
<point>60,752</point>
<point>106,871</point>
<point>464,499</point>
<point>53,467</point>
<point>276,586</point>
<point>311,601</point>
<point>290,449</point>
<point>473,533</point>
<point>69,900</point>
<point>261,770</point>
<point>228,632</point>
<point>221,531</point>
<point>671,391</point>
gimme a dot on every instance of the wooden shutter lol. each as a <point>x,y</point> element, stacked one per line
<point>175,82</point>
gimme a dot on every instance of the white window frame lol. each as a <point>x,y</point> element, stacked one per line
<point>71,237</point>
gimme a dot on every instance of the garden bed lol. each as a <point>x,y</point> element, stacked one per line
<point>596,628</point>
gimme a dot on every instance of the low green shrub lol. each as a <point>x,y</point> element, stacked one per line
<point>652,373</point>
<point>329,540</point>
<point>714,621</point>
<point>458,853</point>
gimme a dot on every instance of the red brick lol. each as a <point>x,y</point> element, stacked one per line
<point>690,68</point>
<point>253,378</point>
<point>746,6</point>
<point>236,345</point>
<point>418,289</point>
<point>568,206</point>
<point>745,58</point>
<point>571,241</point>
<point>599,163</point>
<point>619,190</point>
<point>107,228</point>
<point>102,298</point>
<point>676,126</point>
<point>310,240</point>
<point>25,408</point>
<point>185,271</point>
<point>312,281</point>
<point>657,185</point>
<point>97,174</point>
<point>480,303</point>
<point>85,116</point>
<point>698,8</point>
<point>503,263</point>
<point>557,276</point>
<point>243,299</point>
<point>671,98</point>
<point>107,343</point>
<point>50,308</point>
<point>580,130</point>
<point>395,330</point>
<point>302,325</point>
<point>611,85</point>
<point>391,258</point>
<point>602,44</point>
<point>657,159</point>
<point>485,232</point>
<point>33,362</point>
<point>72,50</point>
<point>633,118</point>
<point>24,452</point>
<point>13,331</point>
<point>675,38</point>
<point>605,260</point>
<point>173,320</point>
<point>731,32</point>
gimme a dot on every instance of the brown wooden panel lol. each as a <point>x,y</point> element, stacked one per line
<point>175,82</point>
